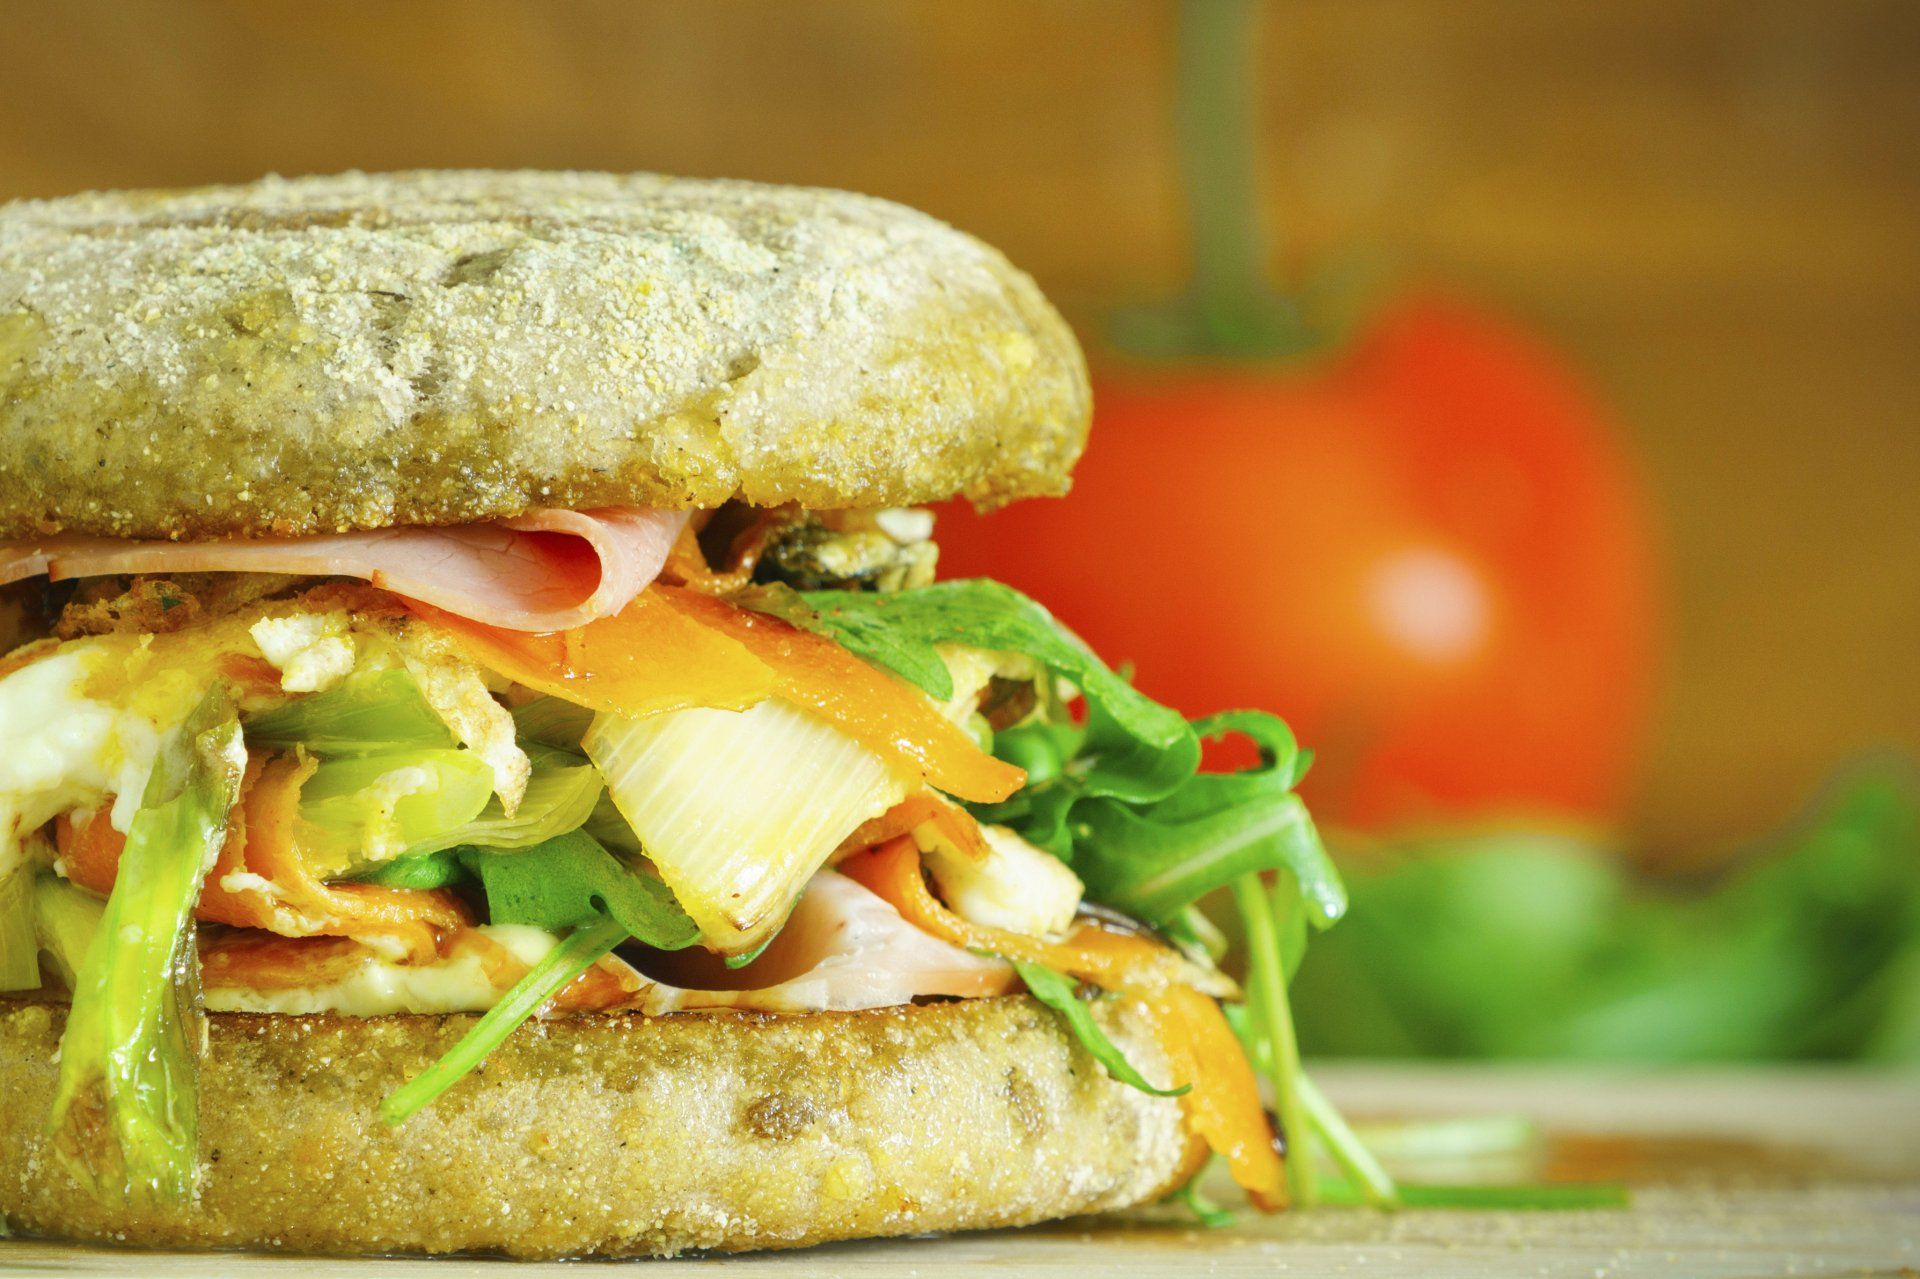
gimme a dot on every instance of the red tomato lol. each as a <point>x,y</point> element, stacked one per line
<point>1430,555</point>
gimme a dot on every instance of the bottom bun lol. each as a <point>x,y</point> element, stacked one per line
<point>624,1135</point>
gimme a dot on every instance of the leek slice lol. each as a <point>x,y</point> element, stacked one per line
<point>561,794</point>
<point>607,825</point>
<point>125,1113</point>
<point>65,919</point>
<point>737,809</point>
<point>373,713</point>
<point>372,808</point>
<point>552,721</point>
<point>19,952</point>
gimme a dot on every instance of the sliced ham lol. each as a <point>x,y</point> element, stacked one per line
<point>843,948</point>
<point>545,571</point>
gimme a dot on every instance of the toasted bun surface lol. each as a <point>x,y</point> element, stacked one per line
<point>360,351</point>
<point>623,1135</point>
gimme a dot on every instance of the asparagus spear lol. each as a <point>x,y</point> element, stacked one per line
<point>125,1115</point>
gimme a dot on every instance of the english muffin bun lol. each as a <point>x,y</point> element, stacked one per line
<point>624,1135</point>
<point>360,351</point>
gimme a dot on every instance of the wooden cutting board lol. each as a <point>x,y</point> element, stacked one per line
<point>1735,1173</point>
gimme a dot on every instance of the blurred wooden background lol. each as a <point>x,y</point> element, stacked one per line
<point>1713,204</point>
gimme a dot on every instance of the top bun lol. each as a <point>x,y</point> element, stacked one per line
<point>368,350</point>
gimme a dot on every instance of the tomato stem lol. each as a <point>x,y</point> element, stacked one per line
<point>1229,310</point>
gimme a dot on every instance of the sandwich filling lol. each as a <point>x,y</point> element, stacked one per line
<point>625,761</point>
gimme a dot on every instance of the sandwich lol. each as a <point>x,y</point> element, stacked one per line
<point>487,763</point>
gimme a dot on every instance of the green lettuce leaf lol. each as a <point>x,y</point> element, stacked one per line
<point>125,1113</point>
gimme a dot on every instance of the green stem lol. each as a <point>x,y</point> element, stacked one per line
<point>579,952</point>
<point>1347,1149</point>
<point>1459,1137</point>
<point>1216,109</point>
<point>1555,1196</point>
<point>1267,994</point>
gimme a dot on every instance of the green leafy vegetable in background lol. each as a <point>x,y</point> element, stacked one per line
<point>1528,945</point>
<point>1061,993</point>
<point>1551,1196</point>
<point>125,1114</point>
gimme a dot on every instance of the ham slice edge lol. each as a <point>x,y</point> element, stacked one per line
<point>844,948</point>
<point>543,571</point>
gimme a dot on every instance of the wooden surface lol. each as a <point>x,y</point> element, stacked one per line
<point>1736,1174</point>
<point>1710,203</point>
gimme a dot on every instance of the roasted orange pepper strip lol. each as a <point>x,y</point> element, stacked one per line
<point>673,648</point>
<point>1223,1106</point>
<point>687,564</point>
<point>881,711</point>
<point>925,808</point>
<point>649,657</point>
<point>261,841</point>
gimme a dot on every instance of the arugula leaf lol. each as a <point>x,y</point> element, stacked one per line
<point>580,951</point>
<point>566,883</point>
<point>901,629</point>
<point>859,631</point>
<point>125,1112</point>
<point>570,879</point>
<point>1152,869</point>
<point>1175,834</point>
<point>427,870</point>
<point>1061,993</point>
<point>1210,1214</point>
<point>1352,1154</point>
<point>1271,1019</point>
